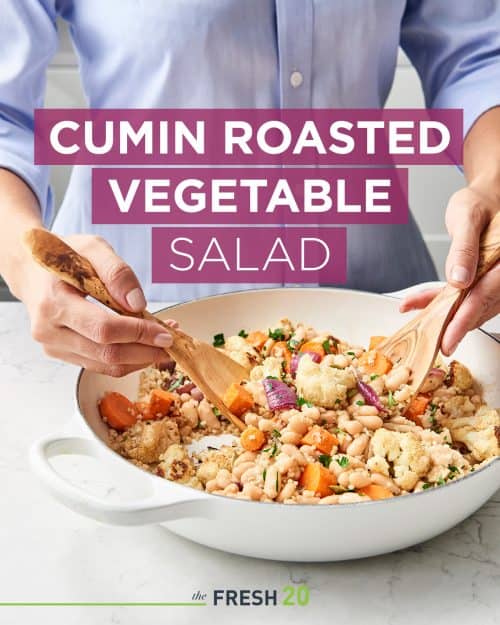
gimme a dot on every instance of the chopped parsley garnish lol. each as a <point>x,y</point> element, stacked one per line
<point>374,376</point>
<point>243,333</point>
<point>327,347</point>
<point>277,481</point>
<point>453,469</point>
<point>293,344</point>
<point>275,435</point>
<point>264,473</point>
<point>441,481</point>
<point>271,377</point>
<point>360,402</point>
<point>426,485</point>
<point>303,402</point>
<point>325,460</point>
<point>276,334</point>
<point>338,400</point>
<point>176,383</point>
<point>339,431</point>
<point>219,340</point>
<point>216,411</point>
<point>351,353</point>
<point>343,461</point>
<point>391,402</point>
<point>433,408</point>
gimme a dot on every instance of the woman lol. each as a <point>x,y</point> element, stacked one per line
<point>238,53</point>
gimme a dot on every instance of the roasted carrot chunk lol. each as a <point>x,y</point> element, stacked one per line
<point>374,362</point>
<point>374,491</point>
<point>238,399</point>
<point>118,411</point>
<point>321,439</point>
<point>160,403</point>
<point>318,479</point>
<point>375,341</point>
<point>417,408</point>
<point>280,350</point>
<point>313,346</point>
<point>257,339</point>
<point>252,439</point>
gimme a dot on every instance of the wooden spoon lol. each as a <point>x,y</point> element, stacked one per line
<point>416,345</point>
<point>210,369</point>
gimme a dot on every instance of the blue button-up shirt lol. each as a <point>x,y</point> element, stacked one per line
<point>244,53</point>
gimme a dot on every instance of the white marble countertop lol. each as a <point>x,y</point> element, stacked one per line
<point>49,554</point>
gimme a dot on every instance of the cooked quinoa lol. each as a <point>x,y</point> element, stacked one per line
<point>350,430</point>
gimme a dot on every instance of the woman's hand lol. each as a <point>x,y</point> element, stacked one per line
<point>469,211</point>
<point>81,332</point>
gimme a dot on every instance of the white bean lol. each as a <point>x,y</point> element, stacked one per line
<point>359,478</point>
<point>189,412</point>
<point>397,377</point>
<point>367,411</point>
<point>292,438</point>
<point>266,425</point>
<point>299,423</point>
<point>252,419</point>
<point>358,445</point>
<point>272,482</point>
<point>370,422</point>
<point>329,499</point>
<point>403,394</point>
<point>288,490</point>
<point>223,478</point>
<point>207,415</point>
<point>353,427</point>
<point>241,468</point>
<point>387,482</point>
<point>252,491</point>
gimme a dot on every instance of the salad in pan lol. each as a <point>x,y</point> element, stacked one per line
<point>326,422</point>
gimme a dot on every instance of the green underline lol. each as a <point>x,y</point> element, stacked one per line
<point>37,604</point>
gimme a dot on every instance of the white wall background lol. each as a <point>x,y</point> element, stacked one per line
<point>430,187</point>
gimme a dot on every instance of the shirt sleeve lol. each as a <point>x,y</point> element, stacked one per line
<point>28,40</point>
<point>455,48</point>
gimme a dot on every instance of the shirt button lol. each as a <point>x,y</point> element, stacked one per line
<point>296,79</point>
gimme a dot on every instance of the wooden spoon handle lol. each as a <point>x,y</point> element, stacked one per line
<point>53,254</point>
<point>444,306</point>
<point>489,249</point>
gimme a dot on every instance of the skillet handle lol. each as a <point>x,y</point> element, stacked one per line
<point>161,503</point>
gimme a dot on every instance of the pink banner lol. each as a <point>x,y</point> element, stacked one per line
<point>241,255</point>
<point>249,196</point>
<point>248,136</point>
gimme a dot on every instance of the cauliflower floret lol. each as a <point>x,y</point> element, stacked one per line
<point>256,388</point>
<point>378,464</point>
<point>477,432</point>
<point>459,406</point>
<point>270,367</point>
<point>237,348</point>
<point>224,457</point>
<point>322,386</point>
<point>444,456</point>
<point>176,464</point>
<point>460,376</point>
<point>146,441</point>
<point>405,451</point>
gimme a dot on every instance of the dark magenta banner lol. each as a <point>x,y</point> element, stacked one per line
<point>249,196</point>
<point>242,255</point>
<point>248,136</point>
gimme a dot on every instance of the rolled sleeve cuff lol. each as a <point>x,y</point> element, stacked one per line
<point>16,154</point>
<point>475,93</point>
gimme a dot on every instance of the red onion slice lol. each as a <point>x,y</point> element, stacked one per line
<point>294,363</point>
<point>279,395</point>
<point>370,396</point>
